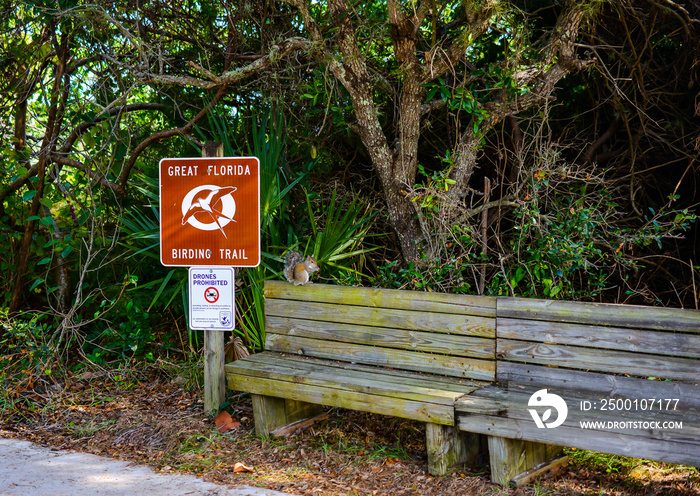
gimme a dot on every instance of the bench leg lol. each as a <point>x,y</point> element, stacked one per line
<point>270,412</point>
<point>448,447</point>
<point>510,457</point>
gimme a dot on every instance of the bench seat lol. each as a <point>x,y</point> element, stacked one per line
<point>423,397</point>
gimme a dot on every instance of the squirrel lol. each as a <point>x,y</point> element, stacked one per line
<point>297,269</point>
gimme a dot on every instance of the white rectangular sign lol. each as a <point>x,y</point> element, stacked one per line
<point>211,298</point>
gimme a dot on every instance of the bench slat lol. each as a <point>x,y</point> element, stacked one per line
<point>612,338</point>
<point>361,382</point>
<point>605,441</point>
<point>607,314</point>
<point>384,298</point>
<point>509,404</point>
<point>606,386</point>
<point>467,346</point>
<point>472,368</point>
<point>620,362</point>
<point>383,317</point>
<point>353,400</point>
<point>415,379</point>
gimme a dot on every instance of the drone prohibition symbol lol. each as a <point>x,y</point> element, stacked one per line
<point>211,294</point>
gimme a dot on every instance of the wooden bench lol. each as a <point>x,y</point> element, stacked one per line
<point>472,364</point>
<point>399,353</point>
<point>602,354</point>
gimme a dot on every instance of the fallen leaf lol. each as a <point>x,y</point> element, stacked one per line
<point>225,423</point>
<point>242,467</point>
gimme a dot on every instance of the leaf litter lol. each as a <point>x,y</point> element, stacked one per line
<point>159,421</point>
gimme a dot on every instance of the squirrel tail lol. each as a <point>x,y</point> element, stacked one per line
<point>290,262</point>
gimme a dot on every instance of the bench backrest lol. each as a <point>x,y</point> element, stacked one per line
<point>444,334</point>
<point>599,358</point>
<point>586,341</point>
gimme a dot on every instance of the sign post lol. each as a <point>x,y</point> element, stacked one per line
<point>210,217</point>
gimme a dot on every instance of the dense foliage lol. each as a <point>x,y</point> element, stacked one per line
<point>545,149</point>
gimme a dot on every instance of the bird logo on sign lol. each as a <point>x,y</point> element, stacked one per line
<point>209,207</point>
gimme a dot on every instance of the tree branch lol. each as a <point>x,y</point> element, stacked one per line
<point>543,75</point>
<point>441,60</point>
<point>94,175</point>
<point>221,82</point>
<point>231,77</point>
<point>84,126</point>
<point>126,171</point>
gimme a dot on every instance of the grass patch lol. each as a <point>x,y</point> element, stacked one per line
<point>602,461</point>
<point>87,429</point>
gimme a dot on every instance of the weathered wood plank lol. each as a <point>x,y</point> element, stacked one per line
<point>300,410</point>
<point>384,298</point>
<point>503,397</point>
<point>605,442</point>
<point>447,448</point>
<point>353,400</point>
<point>294,427</point>
<point>485,401</point>
<point>363,383</point>
<point>612,338</point>
<point>343,369</point>
<point>545,469</point>
<point>604,385</point>
<point>465,325</point>
<point>535,453</point>
<point>430,342</point>
<point>634,316</point>
<point>472,368</point>
<point>514,406</point>
<point>553,451</point>
<point>620,362</point>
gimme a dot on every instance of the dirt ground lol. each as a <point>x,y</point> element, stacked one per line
<point>157,420</point>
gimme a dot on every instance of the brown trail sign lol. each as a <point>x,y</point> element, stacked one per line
<point>209,211</point>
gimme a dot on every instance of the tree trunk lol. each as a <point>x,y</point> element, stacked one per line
<point>46,146</point>
<point>465,154</point>
<point>402,216</point>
